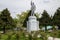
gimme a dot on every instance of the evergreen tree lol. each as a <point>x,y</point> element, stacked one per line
<point>7,20</point>
<point>56,18</point>
<point>45,19</point>
<point>1,23</point>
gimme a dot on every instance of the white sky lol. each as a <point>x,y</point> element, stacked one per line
<point>18,6</point>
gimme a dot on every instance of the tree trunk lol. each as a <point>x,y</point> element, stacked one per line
<point>45,28</point>
<point>4,29</point>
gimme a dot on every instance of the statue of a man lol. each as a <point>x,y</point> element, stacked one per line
<point>33,7</point>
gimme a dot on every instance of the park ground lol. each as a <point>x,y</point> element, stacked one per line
<point>23,35</point>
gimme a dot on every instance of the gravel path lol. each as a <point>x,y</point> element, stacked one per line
<point>51,38</point>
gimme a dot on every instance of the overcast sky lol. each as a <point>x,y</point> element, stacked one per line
<point>18,6</point>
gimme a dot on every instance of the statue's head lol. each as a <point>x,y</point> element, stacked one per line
<point>32,3</point>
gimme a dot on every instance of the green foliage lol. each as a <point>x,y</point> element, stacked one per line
<point>56,18</point>
<point>23,18</point>
<point>15,21</point>
<point>45,20</point>
<point>6,21</point>
<point>9,37</point>
<point>4,36</point>
<point>58,34</point>
<point>26,18</point>
<point>21,36</point>
<point>1,22</point>
<point>37,15</point>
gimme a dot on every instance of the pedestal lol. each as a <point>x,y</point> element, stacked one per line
<point>32,24</point>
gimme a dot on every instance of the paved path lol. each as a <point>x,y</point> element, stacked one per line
<point>51,38</point>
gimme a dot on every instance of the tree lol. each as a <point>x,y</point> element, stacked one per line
<point>26,19</point>
<point>7,20</point>
<point>15,21</point>
<point>22,19</point>
<point>56,18</point>
<point>45,19</point>
<point>1,23</point>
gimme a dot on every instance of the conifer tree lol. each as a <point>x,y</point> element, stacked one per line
<point>45,19</point>
<point>56,18</point>
<point>8,22</point>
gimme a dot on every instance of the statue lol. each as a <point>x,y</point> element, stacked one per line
<point>33,8</point>
<point>32,23</point>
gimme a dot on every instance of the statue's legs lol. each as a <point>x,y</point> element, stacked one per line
<point>32,13</point>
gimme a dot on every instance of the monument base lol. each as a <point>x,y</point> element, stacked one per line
<point>32,24</point>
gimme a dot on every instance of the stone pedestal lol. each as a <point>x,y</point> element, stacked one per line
<point>32,24</point>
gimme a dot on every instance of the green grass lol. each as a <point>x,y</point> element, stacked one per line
<point>4,37</point>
